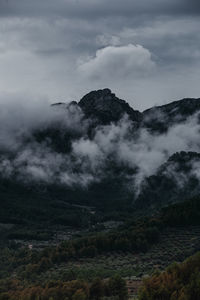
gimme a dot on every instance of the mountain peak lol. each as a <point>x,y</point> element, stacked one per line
<point>98,96</point>
<point>106,107</point>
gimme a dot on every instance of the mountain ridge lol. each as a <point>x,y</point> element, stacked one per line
<point>101,158</point>
<point>104,106</point>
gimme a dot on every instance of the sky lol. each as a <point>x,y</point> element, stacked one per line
<point>147,51</point>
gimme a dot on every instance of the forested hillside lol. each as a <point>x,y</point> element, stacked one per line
<point>179,281</point>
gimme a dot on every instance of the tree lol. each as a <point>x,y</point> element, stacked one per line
<point>117,287</point>
<point>96,289</point>
<point>79,295</point>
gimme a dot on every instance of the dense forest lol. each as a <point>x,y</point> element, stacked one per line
<point>133,236</point>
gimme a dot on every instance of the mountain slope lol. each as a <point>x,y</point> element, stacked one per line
<point>174,181</point>
<point>160,118</point>
<point>100,152</point>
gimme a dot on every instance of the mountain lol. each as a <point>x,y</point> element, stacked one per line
<point>90,154</point>
<point>174,181</point>
<point>160,118</point>
<point>105,107</point>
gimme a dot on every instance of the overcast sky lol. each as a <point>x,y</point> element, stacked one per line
<point>147,51</point>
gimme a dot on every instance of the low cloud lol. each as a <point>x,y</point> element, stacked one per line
<point>144,151</point>
<point>91,157</point>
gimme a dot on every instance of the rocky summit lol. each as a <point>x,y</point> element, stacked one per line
<point>106,107</point>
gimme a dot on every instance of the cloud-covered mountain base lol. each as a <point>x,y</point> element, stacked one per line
<point>100,152</point>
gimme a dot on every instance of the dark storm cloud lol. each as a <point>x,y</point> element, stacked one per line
<point>96,8</point>
<point>191,6</point>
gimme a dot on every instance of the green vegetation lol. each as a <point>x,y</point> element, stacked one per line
<point>114,288</point>
<point>135,248</point>
<point>178,282</point>
<point>186,213</point>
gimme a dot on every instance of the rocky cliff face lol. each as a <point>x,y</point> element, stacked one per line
<point>106,107</point>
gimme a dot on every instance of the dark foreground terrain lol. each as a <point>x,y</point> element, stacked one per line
<point>112,261</point>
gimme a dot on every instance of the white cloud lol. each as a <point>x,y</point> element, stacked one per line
<point>41,42</point>
<point>118,62</point>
